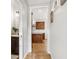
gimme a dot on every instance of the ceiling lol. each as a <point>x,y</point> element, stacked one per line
<point>38,2</point>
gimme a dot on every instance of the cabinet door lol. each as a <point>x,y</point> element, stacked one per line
<point>38,38</point>
<point>15,45</point>
<point>40,25</point>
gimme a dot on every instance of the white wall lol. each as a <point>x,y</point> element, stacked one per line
<point>25,18</point>
<point>58,30</point>
<point>26,32</point>
<point>15,7</point>
<point>24,29</point>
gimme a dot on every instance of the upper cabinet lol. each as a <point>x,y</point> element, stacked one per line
<point>40,25</point>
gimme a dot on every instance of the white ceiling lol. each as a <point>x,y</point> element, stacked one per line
<point>38,2</point>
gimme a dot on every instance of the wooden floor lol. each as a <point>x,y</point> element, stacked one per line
<point>39,51</point>
<point>38,56</point>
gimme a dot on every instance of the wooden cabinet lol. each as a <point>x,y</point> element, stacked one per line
<point>40,25</point>
<point>15,45</point>
<point>38,38</point>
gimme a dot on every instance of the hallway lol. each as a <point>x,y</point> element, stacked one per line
<point>40,26</point>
